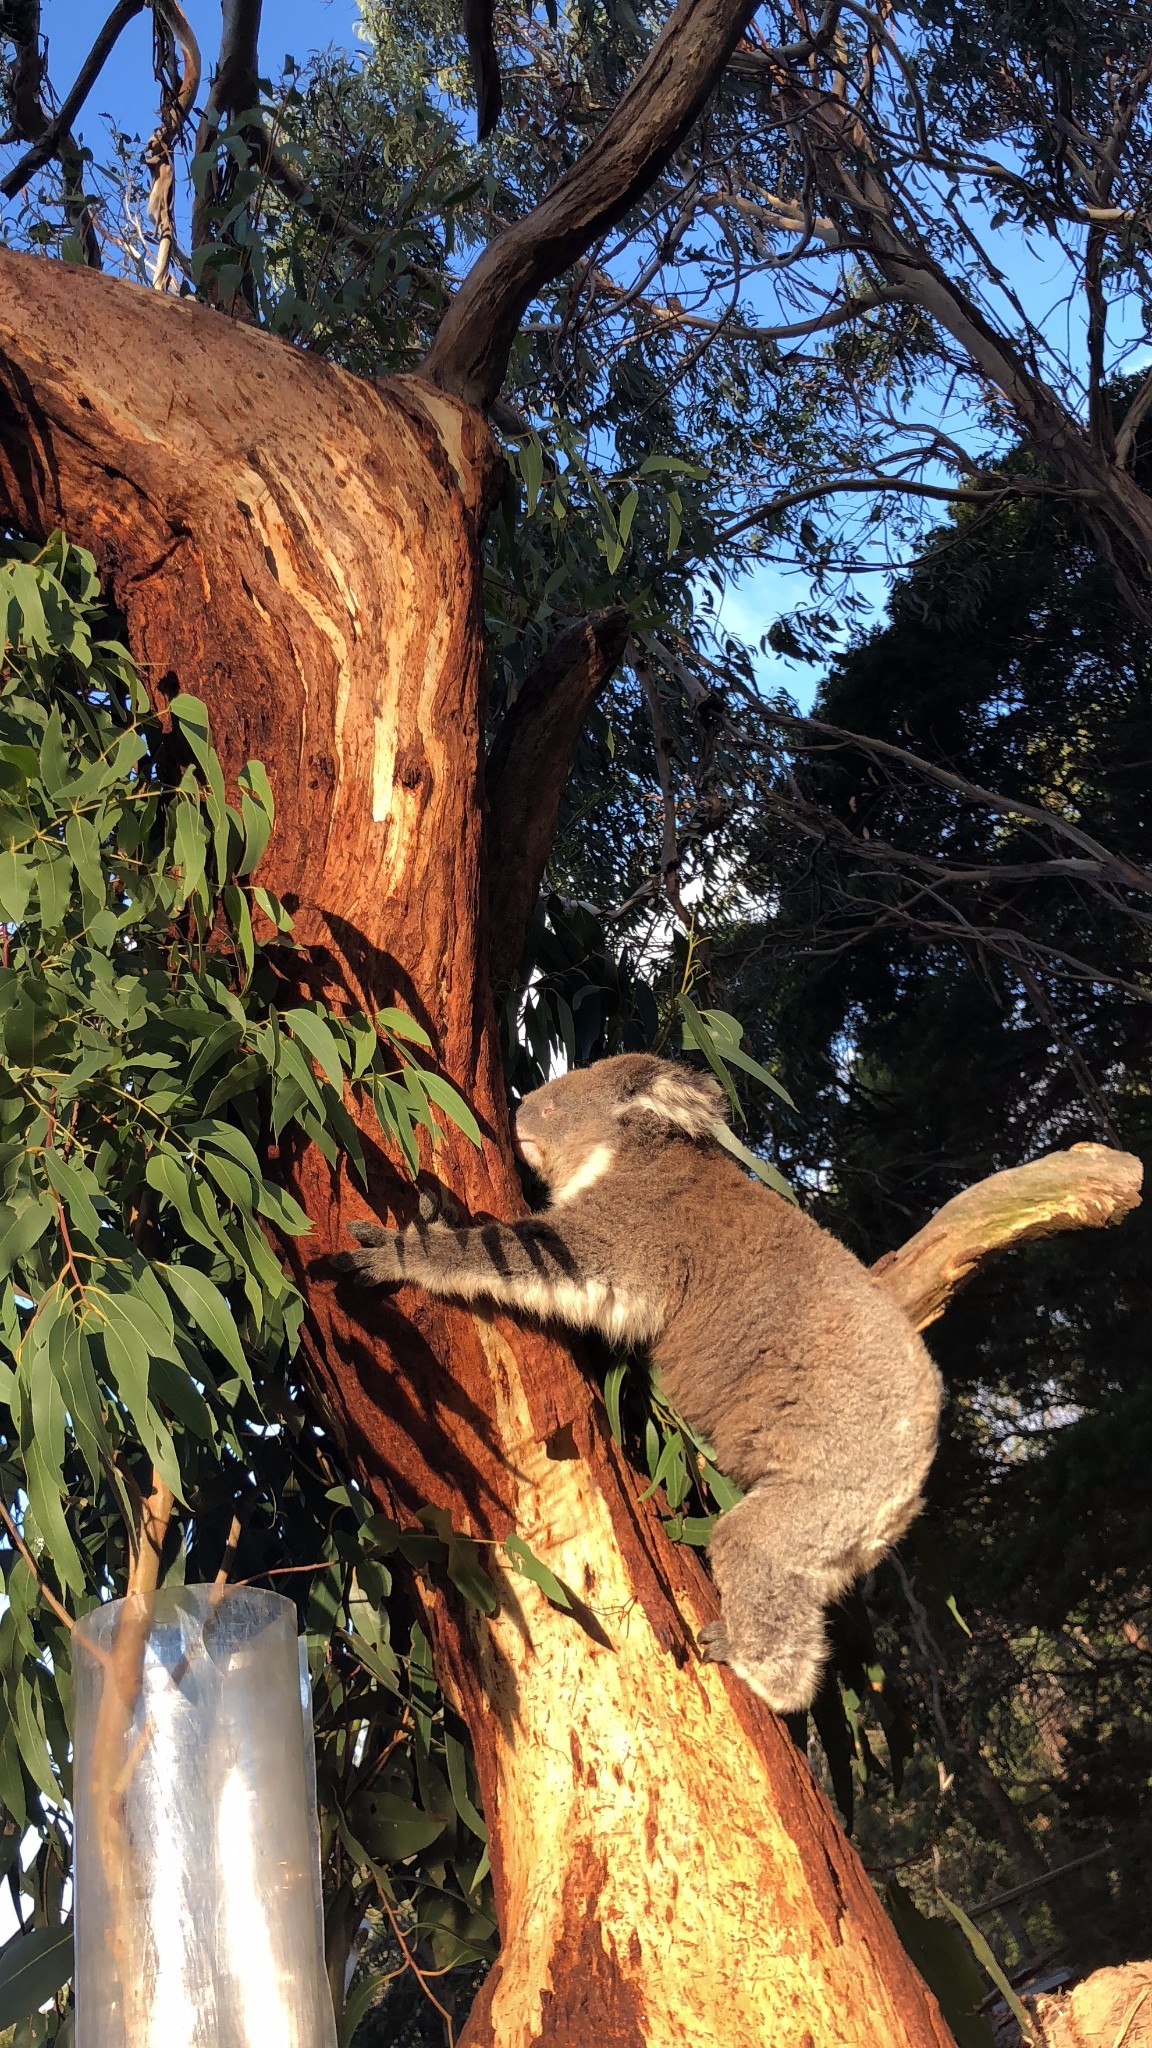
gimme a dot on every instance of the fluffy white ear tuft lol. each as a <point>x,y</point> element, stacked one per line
<point>693,1102</point>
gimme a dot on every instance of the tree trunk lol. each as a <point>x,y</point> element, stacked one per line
<point>300,549</point>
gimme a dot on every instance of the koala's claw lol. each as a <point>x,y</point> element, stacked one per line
<point>713,1641</point>
<point>377,1265</point>
<point>437,1204</point>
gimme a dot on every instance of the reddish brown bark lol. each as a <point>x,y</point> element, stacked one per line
<point>301,551</point>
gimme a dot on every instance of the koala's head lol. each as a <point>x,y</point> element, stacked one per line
<point>569,1131</point>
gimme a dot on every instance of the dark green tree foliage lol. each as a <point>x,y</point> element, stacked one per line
<point>951,1001</point>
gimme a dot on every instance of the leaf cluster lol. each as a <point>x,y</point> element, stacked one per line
<point>154,1055</point>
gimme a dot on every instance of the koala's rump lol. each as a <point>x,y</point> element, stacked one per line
<point>791,1361</point>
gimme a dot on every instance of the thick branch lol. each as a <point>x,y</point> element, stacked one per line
<point>235,90</point>
<point>470,353</point>
<point>1088,1187</point>
<point>236,85</point>
<point>25,73</point>
<point>527,769</point>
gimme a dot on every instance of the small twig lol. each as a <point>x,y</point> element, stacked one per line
<point>46,1593</point>
<point>422,1976</point>
<point>284,1571</point>
<point>230,1549</point>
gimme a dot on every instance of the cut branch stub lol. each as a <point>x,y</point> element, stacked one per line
<point>1088,1187</point>
<point>528,766</point>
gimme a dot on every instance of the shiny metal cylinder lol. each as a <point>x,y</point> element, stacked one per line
<point>197,1881</point>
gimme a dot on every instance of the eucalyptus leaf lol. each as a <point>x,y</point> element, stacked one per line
<point>33,1966</point>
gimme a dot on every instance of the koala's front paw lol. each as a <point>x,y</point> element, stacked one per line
<point>370,1233</point>
<point>713,1641</point>
<point>382,1265</point>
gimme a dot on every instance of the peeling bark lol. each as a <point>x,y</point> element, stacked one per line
<point>300,550</point>
<point>528,766</point>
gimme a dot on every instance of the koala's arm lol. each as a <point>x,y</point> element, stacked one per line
<point>528,1265</point>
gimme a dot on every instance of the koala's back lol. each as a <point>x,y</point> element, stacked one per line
<point>779,1347</point>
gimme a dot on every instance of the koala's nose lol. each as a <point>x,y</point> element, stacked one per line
<point>523,1146</point>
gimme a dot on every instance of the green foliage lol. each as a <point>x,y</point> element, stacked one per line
<point>152,1051</point>
<point>32,1970</point>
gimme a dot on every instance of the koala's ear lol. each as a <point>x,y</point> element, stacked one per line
<point>694,1103</point>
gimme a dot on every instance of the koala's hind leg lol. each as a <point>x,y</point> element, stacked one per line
<point>777,1563</point>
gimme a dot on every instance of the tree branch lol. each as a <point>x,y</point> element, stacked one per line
<point>470,353</point>
<point>528,767</point>
<point>1130,424</point>
<point>48,144</point>
<point>1106,861</point>
<point>27,81</point>
<point>155,1514</point>
<point>861,204</point>
<point>952,494</point>
<point>235,89</point>
<point>477,18</point>
<point>1089,1187</point>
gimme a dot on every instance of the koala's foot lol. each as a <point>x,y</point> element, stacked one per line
<point>713,1641</point>
<point>437,1204</point>
<point>788,1681</point>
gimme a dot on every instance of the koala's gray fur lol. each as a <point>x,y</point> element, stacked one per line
<point>770,1338</point>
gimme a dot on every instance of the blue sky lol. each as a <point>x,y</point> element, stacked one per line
<point>290,26</point>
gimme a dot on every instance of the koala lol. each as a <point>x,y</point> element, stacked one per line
<point>770,1338</point>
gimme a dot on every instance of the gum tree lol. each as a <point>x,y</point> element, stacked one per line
<point>299,549</point>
